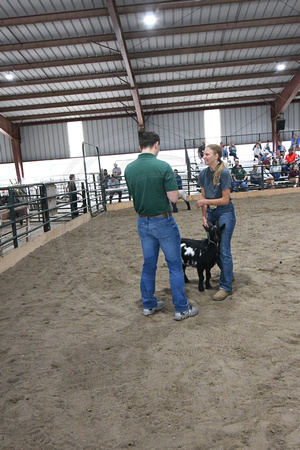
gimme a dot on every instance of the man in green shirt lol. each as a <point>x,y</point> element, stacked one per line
<point>152,185</point>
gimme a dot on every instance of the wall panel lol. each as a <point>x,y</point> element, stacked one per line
<point>246,125</point>
<point>111,136</point>
<point>6,154</point>
<point>174,129</point>
<point>292,121</point>
<point>41,142</point>
<point>115,136</point>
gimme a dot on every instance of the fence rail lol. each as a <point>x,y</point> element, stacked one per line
<point>29,210</point>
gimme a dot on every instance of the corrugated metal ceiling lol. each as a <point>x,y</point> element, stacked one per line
<point>74,59</point>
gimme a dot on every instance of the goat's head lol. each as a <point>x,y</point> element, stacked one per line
<point>214,232</point>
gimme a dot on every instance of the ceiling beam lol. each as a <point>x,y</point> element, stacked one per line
<point>161,53</point>
<point>99,12</point>
<point>172,69</point>
<point>214,48</point>
<point>161,112</point>
<point>218,64</point>
<point>67,93</point>
<point>153,107</point>
<point>12,131</point>
<point>201,28</point>
<point>60,63</point>
<point>112,9</point>
<point>67,104</point>
<point>66,79</point>
<point>286,96</point>
<point>8,128</point>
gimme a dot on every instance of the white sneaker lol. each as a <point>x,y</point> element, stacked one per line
<point>192,311</point>
<point>158,307</point>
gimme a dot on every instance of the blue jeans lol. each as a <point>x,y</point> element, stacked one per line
<point>224,214</point>
<point>154,233</point>
<point>225,153</point>
<point>237,184</point>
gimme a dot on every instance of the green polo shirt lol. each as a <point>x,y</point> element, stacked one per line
<point>148,180</point>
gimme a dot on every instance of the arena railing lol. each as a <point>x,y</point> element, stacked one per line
<point>29,210</point>
<point>241,139</point>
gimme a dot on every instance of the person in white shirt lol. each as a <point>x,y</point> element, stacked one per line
<point>257,152</point>
<point>267,177</point>
<point>117,172</point>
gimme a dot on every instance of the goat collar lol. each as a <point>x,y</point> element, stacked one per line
<point>211,242</point>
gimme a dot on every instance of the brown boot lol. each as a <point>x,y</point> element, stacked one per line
<point>221,295</point>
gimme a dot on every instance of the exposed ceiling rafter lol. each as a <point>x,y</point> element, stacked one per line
<point>123,50</point>
<point>201,28</point>
<point>222,49</point>
<point>191,92</point>
<point>98,12</point>
<point>149,108</point>
<point>154,54</point>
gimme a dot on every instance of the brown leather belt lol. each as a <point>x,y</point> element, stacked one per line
<point>166,214</point>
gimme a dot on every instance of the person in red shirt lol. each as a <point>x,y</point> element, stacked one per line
<point>290,158</point>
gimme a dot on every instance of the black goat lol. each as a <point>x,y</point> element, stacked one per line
<point>202,254</point>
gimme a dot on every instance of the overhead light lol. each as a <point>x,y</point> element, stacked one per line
<point>9,76</point>
<point>280,66</point>
<point>150,19</point>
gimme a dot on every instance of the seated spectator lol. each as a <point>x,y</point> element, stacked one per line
<point>266,160</point>
<point>294,175</point>
<point>224,150</point>
<point>201,151</point>
<point>290,158</point>
<point>103,177</point>
<point>106,176</point>
<point>114,184</point>
<point>275,170</point>
<point>268,147</point>
<point>181,192</point>
<point>232,150</point>
<point>255,176</point>
<point>257,152</point>
<point>239,179</point>
<point>295,140</point>
<point>267,177</point>
<point>235,168</point>
<point>117,172</point>
<point>258,143</point>
<point>280,150</point>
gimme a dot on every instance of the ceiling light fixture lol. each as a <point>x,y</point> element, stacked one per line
<point>280,66</point>
<point>9,76</point>
<point>150,19</point>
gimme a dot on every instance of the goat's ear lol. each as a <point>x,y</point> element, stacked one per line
<point>206,228</point>
<point>222,227</point>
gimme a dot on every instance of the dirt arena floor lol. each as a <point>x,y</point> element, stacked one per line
<point>82,368</point>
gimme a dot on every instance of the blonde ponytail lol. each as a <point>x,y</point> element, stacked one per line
<point>217,151</point>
